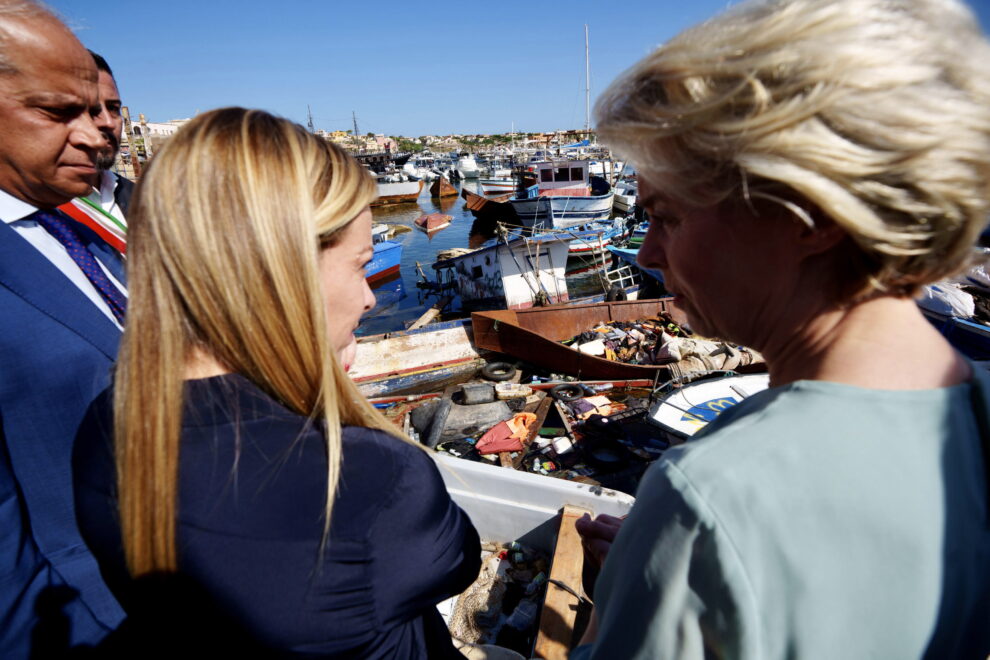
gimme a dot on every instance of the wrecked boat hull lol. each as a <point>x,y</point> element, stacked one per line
<point>415,361</point>
<point>534,335</point>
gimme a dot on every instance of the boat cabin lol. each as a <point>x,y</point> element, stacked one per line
<point>562,177</point>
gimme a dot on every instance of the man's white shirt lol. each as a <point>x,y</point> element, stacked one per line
<point>15,213</point>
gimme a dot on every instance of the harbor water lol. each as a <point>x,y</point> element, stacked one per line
<point>399,302</point>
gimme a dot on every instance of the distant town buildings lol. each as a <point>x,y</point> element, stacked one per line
<point>142,138</point>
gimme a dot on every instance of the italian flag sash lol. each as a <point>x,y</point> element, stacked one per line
<point>109,228</point>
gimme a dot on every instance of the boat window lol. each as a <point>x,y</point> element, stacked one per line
<point>577,174</point>
<point>562,174</point>
<point>477,272</point>
<point>546,176</point>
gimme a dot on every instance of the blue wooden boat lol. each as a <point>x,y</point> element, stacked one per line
<point>387,255</point>
<point>628,257</point>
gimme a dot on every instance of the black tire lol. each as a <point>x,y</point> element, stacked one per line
<point>498,371</point>
<point>615,294</point>
<point>567,392</point>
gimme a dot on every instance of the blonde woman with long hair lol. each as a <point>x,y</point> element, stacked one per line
<point>246,467</point>
<point>807,166</point>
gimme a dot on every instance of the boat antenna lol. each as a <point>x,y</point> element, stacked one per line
<point>309,124</point>
<point>587,85</point>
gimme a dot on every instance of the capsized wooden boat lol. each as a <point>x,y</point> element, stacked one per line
<point>433,221</point>
<point>534,335</point>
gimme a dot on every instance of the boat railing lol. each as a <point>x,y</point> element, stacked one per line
<point>624,276</point>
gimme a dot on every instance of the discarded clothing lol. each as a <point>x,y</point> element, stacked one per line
<point>507,435</point>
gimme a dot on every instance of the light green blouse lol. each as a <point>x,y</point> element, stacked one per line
<point>814,520</point>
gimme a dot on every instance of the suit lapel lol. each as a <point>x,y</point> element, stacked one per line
<point>29,275</point>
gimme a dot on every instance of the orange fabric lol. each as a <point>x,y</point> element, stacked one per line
<point>507,435</point>
<point>520,424</point>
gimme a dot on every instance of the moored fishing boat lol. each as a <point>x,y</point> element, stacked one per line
<point>467,167</point>
<point>629,256</point>
<point>563,196</point>
<point>497,186</point>
<point>397,189</point>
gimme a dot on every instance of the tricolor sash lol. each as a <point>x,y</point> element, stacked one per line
<point>109,228</point>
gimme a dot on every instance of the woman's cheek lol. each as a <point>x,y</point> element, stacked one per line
<point>347,354</point>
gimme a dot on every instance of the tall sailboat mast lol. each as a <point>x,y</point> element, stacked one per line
<point>587,85</point>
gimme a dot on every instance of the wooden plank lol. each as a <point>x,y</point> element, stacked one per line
<point>560,607</point>
<point>541,416</point>
<point>505,457</point>
<point>431,313</point>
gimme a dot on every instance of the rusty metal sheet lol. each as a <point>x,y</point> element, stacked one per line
<point>534,334</point>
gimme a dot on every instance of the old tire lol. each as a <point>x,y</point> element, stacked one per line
<point>567,392</point>
<point>498,371</point>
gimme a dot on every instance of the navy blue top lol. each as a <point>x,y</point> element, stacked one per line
<point>252,483</point>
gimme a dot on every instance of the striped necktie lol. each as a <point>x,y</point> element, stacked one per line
<point>63,230</point>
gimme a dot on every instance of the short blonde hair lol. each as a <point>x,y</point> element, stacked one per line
<point>873,113</point>
<point>223,244</point>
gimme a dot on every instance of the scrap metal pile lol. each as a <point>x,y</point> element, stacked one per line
<point>659,341</point>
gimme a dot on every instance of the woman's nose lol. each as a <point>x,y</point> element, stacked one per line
<point>653,253</point>
<point>369,297</point>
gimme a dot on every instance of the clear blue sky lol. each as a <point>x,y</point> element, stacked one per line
<point>405,68</point>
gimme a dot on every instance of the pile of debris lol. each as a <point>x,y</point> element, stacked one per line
<point>659,341</point>
<point>501,606</point>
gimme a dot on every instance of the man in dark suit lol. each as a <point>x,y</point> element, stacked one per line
<point>62,302</point>
<point>104,208</point>
<point>111,124</point>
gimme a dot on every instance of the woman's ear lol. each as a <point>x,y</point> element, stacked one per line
<point>822,237</point>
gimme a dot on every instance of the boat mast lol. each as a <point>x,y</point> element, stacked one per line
<point>587,86</point>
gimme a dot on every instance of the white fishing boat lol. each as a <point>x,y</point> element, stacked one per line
<point>397,188</point>
<point>467,167</point>
<point>497,185</point>
<point>563,196</point>
<point>625,195</point>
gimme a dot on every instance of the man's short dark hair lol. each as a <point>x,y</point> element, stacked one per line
<point>101,64</point>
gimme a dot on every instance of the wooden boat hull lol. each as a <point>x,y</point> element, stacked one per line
<point>562,211</point>
<point>423,360</point>
<point>442,188</point>
<point>535,334</point>
<point>398,193</point>
<point>385,261</point>
<point>497,186</point>
<point>433,221</point>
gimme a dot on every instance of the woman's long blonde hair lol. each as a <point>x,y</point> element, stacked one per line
<point>224,237</point>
